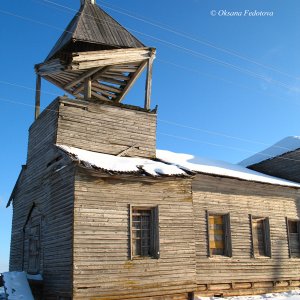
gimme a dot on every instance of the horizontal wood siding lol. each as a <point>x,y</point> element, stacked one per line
<point>102,265</point>
<point>286,166</point>
<point>48,183</point>
<point>240,198</point>
<point>107,129</point>
<point>53,199</point>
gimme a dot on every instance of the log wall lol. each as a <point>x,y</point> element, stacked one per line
<point>102,266</point>
<point>285,166</point>
<point>47,183</point>
<point>106,128</point>
<point>241,198</point>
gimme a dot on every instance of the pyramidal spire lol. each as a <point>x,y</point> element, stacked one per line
<point>92,29</point>
<point>89,1</point>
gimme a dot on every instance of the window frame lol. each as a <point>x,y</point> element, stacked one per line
<point>266,236</point>
<point>227,235</point>
<point>154,233</point>
<point>288,235</point>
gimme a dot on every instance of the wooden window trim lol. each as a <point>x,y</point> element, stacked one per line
<point>267,237</point>
<point>287,220</point>
<point>154,234</point>
<point>227,235</point>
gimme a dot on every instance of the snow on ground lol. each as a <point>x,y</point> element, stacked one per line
<point>215,167</point>
<point>2,295</point>
<point>17,286</point>
<point>292,295</point>
<point>285,145</point>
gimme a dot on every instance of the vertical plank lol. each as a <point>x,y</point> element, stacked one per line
<point>251,233</point>
<point>156,253</point>
<point>207,232</point>
<point>149,81</point>
<point>288,236</point>
<point>37,97</point>
<point>87,88</point>
<point>228,246</point>
<point>267,237</point>
<point>130,231</point>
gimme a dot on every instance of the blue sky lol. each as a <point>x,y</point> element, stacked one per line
<point>226,87</point>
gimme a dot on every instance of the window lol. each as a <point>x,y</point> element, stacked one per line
<point>293,231</point>
<point>219,236</point>
<point>144,233</point>
<point>260,231</point>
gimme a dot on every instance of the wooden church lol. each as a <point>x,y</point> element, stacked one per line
<point>102,215</point>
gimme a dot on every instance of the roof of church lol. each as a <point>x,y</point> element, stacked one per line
<point>93,26</point>
<point>169,163</point>
<point>286,145</point>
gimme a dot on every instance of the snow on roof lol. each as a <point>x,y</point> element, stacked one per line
<point>16,286</point>
<point>285,145</point>
<point>214,167</point>
<point>171,164</point>
<point>122,164</point>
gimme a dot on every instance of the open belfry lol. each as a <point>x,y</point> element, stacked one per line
<point>99,213</point>
<point>96,58</point>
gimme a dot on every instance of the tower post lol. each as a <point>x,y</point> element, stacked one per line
<point>37,97</point>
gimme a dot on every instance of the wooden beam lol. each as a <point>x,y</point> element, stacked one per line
<point>37,97</point>
<point>149,81</point>
<point>87,88</point>
<point>131,82</point>
<point>82,77</point>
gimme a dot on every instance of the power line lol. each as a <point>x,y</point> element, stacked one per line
<point>190,51</point>
<point>161,120</point>
<point>222,79</point>
<point>195,39</point>
<point>268,156</point>
<point>218,133</point>
<point>180,137</point>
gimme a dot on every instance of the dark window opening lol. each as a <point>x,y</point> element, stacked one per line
<point>261,242</point>
<point>293,228</point>
<point>144,235</point>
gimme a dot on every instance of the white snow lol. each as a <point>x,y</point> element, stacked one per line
<point>215,167</point>
<point>16,286</point>
<point>285,145</point>
<point>291,295</point>
<point>172,164</point>
<point>122,164</point>
<point>34,277</point>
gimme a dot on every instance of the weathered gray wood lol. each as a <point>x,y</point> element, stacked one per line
<point>149,80</point>
<point>103,247</point>
<point>87,88</point>
<point>131,82</point>
<point>284,166</point>
<point>82,77</point>
<point>37,97</point>
<point>108,129</point>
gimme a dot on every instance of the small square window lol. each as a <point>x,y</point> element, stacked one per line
<point>144,234</point>
<point>219,237</point>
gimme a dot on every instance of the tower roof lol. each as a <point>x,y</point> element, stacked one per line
<point>93,29</point>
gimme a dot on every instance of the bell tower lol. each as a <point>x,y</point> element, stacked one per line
<point>97,61</point>
<point>96,58</point>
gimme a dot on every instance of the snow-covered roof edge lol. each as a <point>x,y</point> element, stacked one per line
<point>124,165</point>
<point>170,164</point>
<point>219,168</point>
<point>288,144</point>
